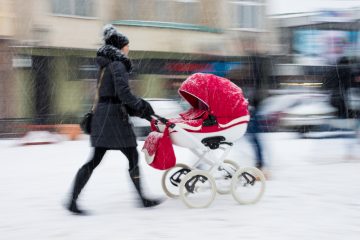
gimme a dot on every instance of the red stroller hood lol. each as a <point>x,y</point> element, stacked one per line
<point>219,96</point>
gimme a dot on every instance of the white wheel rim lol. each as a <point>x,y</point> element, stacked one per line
<point>248,194</point>
<point>169,189</point>
<point>204,193</point>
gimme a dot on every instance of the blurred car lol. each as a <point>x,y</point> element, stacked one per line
<point>168,108</point>
<point>271,110</point>
<point>301,112</point>
<point>311,112</point>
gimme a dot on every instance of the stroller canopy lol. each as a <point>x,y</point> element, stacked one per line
<point>217,95</point>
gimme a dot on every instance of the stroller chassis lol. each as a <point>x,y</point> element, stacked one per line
<point>193,175</point>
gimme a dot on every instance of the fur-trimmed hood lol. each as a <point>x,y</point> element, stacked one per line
<point>107,54</point>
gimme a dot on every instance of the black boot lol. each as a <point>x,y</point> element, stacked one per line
<point>135,177</point>
<point>73,207</point>
<point>81,179</point>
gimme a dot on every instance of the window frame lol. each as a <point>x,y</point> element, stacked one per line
<point>72,12</point>
<point>256,15</point>
<point>172,16</point>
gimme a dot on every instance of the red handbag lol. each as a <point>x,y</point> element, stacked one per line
<point>159,151</point>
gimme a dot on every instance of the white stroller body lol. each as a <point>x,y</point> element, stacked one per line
<point>207,131</point>
<point>193,140</point>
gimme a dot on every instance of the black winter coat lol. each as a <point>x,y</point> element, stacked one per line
<point>110,126</point>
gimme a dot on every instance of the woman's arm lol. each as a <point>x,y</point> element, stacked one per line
<point>123,91</point>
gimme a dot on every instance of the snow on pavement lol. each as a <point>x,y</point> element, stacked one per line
<point>313,193</point>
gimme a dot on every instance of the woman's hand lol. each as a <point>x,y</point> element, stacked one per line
<point>147,111</point>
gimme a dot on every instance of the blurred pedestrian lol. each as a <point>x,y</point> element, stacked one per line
<point>253,133</point>
<point>110,128</point>
<point>256,93</point>
<point>339,81</point>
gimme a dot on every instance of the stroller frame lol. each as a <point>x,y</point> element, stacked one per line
<point>204,150</point>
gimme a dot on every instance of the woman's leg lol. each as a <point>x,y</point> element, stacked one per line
<point>82,177</point>
<point>133,157</point>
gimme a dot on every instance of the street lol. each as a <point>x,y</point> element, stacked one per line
<point>313,193</point>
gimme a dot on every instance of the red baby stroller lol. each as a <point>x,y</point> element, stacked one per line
<point>218,117</point>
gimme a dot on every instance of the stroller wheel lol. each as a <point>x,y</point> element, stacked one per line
<point>198,189</point>
<point>223,176</point>
<point>172,177</point>
<point>248,185</point>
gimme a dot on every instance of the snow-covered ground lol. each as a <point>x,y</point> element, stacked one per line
<point>313,193</point>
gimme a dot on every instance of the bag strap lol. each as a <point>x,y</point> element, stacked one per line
<point>98,89</point>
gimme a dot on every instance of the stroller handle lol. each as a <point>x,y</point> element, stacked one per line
<point>172,125</point>
<point>162,120</point>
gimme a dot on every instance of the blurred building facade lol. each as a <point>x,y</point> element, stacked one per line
<point>47,66</point>
<point>313,43</point>
<point>321,53</point>
<point>6,73</point>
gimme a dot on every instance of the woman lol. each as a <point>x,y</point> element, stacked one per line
<point>110,128</point>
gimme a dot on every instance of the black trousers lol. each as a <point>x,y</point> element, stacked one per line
<point>86,170</point>
<point>131,154</point>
